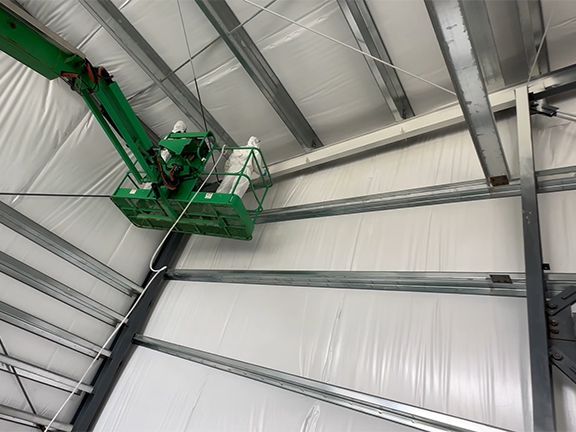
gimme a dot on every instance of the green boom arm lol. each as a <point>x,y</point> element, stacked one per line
<point>24,42</point>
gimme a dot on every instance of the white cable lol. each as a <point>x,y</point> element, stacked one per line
<point>156,273</point>
<point>399,69</point>
<point>531,71</point>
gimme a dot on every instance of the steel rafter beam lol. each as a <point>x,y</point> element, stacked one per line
<point>38,374</point>
<point>122,346</point>
<point>532,27</point>
<point>30,323</point>
<point>368,37</point>
<point>386,409</point>
<point>116,24</point>
<point>57,290</point>
<point>23,417</point>
<point>60,247</point>
<point>482,37</point>
<point>452,32</point>
<point>540,368</point>
<point>247,53</point>
<point>553,180</point>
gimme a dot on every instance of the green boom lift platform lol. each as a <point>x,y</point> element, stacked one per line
<point>178,174</point>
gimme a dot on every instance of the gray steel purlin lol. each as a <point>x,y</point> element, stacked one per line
<point>451,28</point>
<point>120,28</point>
<point>369,40</point>
<point>57,290</point>
<point>386,409</point>
<point>540,369</point>
<point>254,63</point>
<point>33,418</point>
<point>61,380</point>
<point>554,180</point>
<point>48,240</point>
<point>30,323</point>
<point>427,282</point>
<point>122,347</point>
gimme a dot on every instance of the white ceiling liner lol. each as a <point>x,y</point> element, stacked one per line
<point>331,85</point>
<point>158,392</point>
<point>225,89</point>
<point>560,40</point>
<point>409,37</point>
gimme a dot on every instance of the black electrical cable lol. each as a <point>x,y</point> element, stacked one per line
<point>56,195</point>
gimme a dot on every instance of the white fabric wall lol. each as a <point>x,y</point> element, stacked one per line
<point>463,355</point>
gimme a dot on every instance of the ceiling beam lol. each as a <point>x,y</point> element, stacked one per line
<point>38,374</point>
<point>532,27</point>
<point>451,28</point>
<point>482,36</point>
<point>254,63</point>
<point>35,232</point>
<point>118,26</point>
<point>29,418</point>
<point>32,324</point>
<point>368,37</point>
<point>57,290</point>
<point>377,406</point>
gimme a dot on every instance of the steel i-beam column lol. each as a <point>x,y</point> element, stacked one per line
<point>540,369</point>
<point>453,34</point>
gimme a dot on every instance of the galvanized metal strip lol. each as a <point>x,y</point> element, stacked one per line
<point>13,413</point>
<point>65,250</point>
<point>426,282</point>
<point>32,324</point>
<point>46,376</point>
<point>548,181</point>
<point>453,35</point>
<point>532,27</point>
<point>120,28</point>
<point>57,290</point>
<point>247,53</point>
<point>369,40</point>
<point>386,409</point>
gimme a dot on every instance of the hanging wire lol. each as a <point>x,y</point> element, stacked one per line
<point>359,51</point>
<point>531,71</point>
<point>192,65</point>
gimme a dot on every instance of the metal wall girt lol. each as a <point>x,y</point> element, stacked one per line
<point>532,27</point>
<point>57,290</point>
<point>428,282</point>
<point>32,324</point>
<point>554,180</point>
<point>540,370</point>
<point>26,417</point>
<point>252,60</point>
<point>116,24</point>
<point>44,376</point>
<point>122,346</point>
<point>451,28</point>
<point>386,409</point>
<point>369,40</point>
<point>48,240</point>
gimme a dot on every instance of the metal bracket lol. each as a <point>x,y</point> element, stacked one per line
<point>562,332</point>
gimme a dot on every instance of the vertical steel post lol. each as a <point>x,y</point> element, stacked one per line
<point>540,368</point>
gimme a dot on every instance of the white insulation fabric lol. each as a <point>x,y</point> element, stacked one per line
<point>462,355</point>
